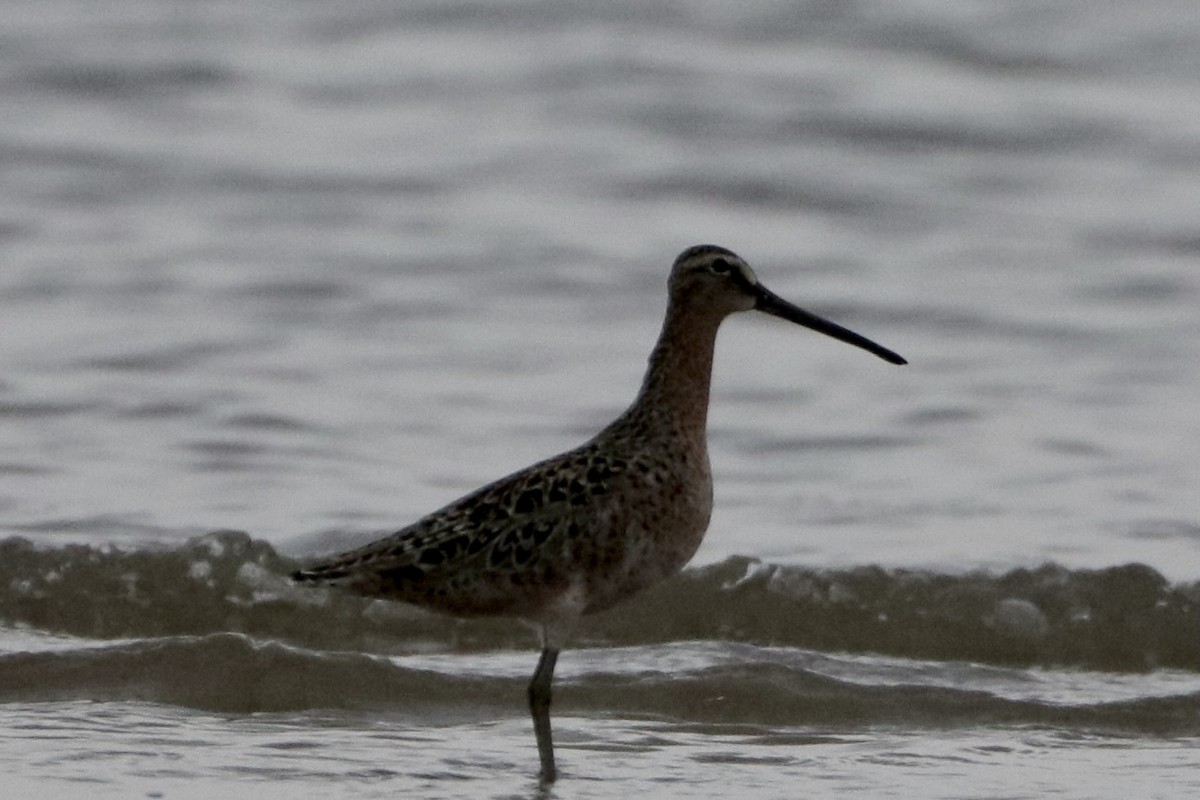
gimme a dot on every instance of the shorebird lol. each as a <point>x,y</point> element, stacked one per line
<point>585,529</point>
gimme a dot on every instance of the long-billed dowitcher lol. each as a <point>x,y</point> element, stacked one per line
<point>578,532</point>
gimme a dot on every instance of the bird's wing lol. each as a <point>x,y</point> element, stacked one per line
<point>505,523</point>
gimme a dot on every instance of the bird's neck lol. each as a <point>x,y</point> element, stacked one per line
<point>674,397</point>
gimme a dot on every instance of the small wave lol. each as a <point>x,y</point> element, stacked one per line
<point>222,672</point>
<point>91,80</point>
<point>233,673</point>
<point>1123,618</point>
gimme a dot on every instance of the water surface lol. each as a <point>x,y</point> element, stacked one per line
<point>310,271</point>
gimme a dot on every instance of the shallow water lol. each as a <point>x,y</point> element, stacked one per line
<point>152,671</point>
<point>163,752</point>
<point>310,271</point>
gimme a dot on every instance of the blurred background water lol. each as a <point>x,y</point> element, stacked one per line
<point>311,270</point>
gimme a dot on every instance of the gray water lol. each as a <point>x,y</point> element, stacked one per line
<point>310,270</point>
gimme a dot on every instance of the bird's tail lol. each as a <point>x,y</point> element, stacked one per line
<point>330,574</point>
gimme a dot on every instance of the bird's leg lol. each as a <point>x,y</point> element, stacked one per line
<point>539,707</point>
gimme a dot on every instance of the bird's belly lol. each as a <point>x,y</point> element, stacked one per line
<point>638,554</point>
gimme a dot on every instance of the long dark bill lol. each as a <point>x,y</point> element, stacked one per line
<point>771,303</point>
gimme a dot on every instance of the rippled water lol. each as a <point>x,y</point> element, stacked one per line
<point>169,753</point>
<point>311,270</point>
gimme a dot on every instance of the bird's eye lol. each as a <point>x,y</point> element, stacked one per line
<point>722,267</point>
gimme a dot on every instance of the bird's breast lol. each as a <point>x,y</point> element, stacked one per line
<point>646,531</point>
